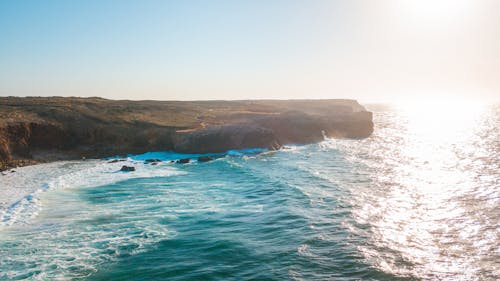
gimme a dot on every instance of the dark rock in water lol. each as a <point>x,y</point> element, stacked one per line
<point>205,158</point>
<point>127,168</point>
<point>13,171</point>
<point>116,160</point>
<point>172,161</point>
<point>152,161</point>
<point>183,161</point>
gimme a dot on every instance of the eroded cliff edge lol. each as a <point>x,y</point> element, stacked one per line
<point>56,128</point>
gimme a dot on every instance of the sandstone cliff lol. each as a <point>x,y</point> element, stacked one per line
<point>55,128</point>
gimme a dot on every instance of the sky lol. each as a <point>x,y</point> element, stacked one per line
<point>198,50</point>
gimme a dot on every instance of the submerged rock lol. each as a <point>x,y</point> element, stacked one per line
<point>152,161</point>
<point>205,158</point>
<point>183,161</point>
<point>116,160</point>
<point>127,168</point>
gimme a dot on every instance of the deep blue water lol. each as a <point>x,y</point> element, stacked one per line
<point>396,206</point>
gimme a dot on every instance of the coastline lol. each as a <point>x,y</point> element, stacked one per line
<point>39,130</point>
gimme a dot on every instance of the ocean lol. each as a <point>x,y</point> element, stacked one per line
<point>418,200</point>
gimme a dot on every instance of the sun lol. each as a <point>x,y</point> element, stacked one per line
<point>433,13</point>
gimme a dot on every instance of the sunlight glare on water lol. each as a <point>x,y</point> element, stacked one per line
<point>435,196</point>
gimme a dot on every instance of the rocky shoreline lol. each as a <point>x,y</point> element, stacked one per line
<point>37,129</point>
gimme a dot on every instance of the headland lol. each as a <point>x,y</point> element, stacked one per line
<point>44,129</point>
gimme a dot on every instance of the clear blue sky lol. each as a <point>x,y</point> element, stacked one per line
<point>170,50</point>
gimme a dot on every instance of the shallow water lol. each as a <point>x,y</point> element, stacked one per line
<point>417,200</point>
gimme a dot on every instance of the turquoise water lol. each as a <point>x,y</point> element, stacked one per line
<point>407,203</point>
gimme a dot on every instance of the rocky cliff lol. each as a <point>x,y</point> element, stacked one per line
<point>56,128</point>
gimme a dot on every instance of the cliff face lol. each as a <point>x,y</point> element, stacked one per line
<point>47,129</point>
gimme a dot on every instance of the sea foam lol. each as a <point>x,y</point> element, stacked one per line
<point>21,190</point>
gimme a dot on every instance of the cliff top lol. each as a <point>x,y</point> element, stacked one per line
<point>183,115</point>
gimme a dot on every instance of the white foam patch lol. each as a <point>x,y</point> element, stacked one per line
<point>73,252</point>
<point>20,191</point>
